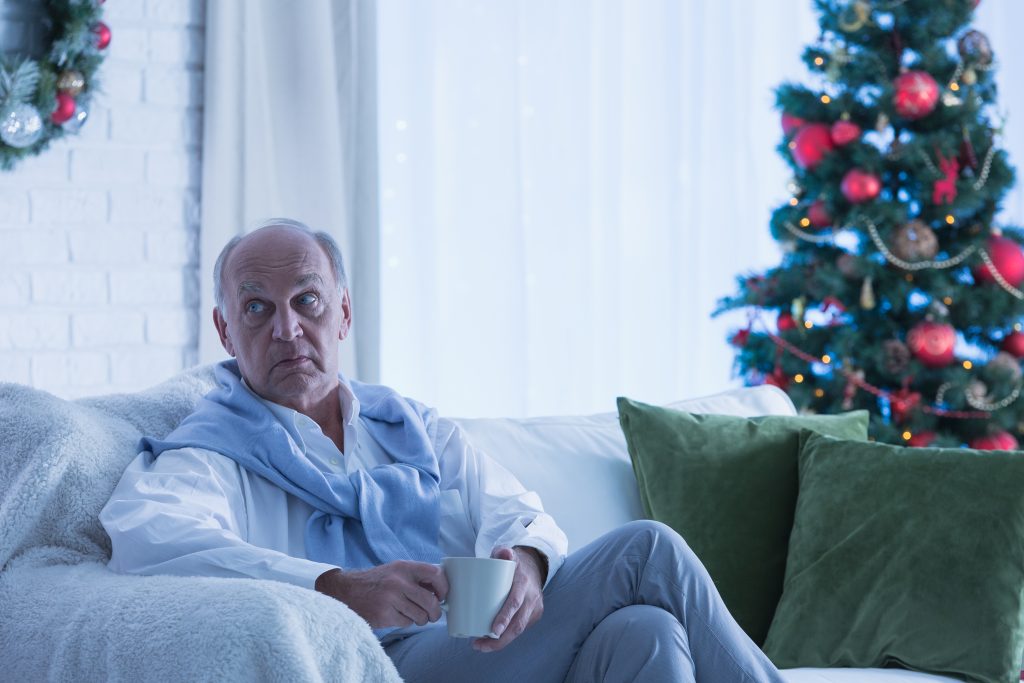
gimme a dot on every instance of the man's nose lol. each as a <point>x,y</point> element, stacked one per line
<point>286,324</point>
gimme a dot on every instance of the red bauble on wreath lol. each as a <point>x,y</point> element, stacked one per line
<point>915,94</point>
<point>932,343</point>
<point>102,32</point>
<point>1007,257</point>
<point>812,142</point>
<point>818,214</point>
<point>64,109</point>
<point>1000,441</point>
<point>785,322</point>
<point>1014,344</point>
<point>860,186</point>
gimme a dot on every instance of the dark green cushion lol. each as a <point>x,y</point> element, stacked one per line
<point>905,556</point>
<point>728,486</point>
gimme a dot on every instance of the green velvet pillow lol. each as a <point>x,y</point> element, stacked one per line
<point>728,485</point>
<point>905,556</point>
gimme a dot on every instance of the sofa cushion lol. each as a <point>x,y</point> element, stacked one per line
<point>579,464</point>
<point>728,485</point>
<point>905,556</point>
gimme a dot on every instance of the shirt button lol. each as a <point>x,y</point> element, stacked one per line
<point>334,461</point>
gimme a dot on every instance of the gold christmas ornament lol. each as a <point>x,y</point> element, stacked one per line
<point>975,48</point>
<point>71,82</point>
<point>970,77</point>
<point>915,241</point>
<point>848,266</point>
<point>1007,365</point>
<point>881,123</point>
<point>855,16</point>
<point>867,294</point>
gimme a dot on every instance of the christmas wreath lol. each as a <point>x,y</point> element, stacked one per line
<point>43,100</point>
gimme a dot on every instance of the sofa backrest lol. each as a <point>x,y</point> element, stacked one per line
<point>579,464</point>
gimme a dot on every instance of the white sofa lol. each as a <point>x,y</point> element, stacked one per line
<point>64,616</point>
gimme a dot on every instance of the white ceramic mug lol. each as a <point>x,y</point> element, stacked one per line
<point>477,588</point>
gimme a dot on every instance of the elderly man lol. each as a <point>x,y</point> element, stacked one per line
<point>288,471</point>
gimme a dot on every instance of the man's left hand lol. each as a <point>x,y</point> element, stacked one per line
<point>525,602</point>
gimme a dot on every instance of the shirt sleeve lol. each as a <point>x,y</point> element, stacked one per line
<point>184,513</point>
<point>501,510</point>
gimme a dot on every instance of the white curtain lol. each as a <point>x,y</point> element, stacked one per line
<point>289,115</point>
<point>567,187</point>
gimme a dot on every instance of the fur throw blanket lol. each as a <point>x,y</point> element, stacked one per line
<point>65,616</point>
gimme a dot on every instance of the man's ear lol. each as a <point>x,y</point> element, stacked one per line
<point>346,312</point>
<point>222,330</point>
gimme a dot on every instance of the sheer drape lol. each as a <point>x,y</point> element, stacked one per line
<point>289,117</point>
<point>567,188</point>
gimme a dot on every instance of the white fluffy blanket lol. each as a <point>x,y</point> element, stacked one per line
<point>65,616</point>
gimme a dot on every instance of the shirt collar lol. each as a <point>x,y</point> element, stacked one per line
<point>346,398</point>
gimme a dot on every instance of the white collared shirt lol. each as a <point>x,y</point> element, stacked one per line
<point>196,512</point>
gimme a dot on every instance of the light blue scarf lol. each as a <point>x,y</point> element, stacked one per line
<point>371,517</point>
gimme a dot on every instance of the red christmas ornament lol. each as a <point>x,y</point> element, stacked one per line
<point>1014,344</point>
<point>921,439</point>
<point>902,402</point>
<point>777,378</point>
<point>812,142</point>
<point>785,322</point>
<point>818,215</point>
<point>1007,257</point>
<point>844,132</point>
<point>102,32</point>
<point>790,123</point>
<point>916,94</point>
<point>65,108</point>
<point>740,338</point>
<point>932,343</point>
<point>860,186</point>
<point>1000,441</point>
<point>944,189</point>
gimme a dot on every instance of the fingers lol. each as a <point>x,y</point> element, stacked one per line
<point>502,553</point>
<point>431,576</point>
<point>526,616</point>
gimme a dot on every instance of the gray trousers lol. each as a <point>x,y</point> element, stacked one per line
<point>634,605</point>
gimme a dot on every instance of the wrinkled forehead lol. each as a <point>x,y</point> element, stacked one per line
<point>278,260</point>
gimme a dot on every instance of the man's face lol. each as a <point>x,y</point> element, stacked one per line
<point>283,316</point>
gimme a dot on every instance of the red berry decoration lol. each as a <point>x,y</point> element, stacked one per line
<point>811,144</point>
<point>790,123</point>
<point>1007,257</point>
<point>845,132</point>
<point>1014,344</point>
<point>860,186</point>
<point>916,94</point>
<point>818,214</point>
<point>102,32</point>
<point>932,343</point>
<point>1000,441</point>
<point>785,322</point>
<point>921,439</point>
<point>65,108</point>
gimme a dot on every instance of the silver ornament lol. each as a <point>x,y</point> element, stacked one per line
<point>77,120</point>
<point>20,125</point>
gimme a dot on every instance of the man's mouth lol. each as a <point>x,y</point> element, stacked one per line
<point>293,362</point>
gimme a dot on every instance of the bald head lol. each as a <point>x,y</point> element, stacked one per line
<point>280,227</point>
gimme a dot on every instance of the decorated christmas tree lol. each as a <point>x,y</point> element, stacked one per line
<point>897,291</point>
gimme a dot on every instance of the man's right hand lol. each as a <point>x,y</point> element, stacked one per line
<point>394,594</point>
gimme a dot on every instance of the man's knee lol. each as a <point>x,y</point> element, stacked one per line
<point>640,626</point>
<point>652,535</point>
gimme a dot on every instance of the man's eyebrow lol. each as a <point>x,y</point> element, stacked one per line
<point>301,281</point>
<point>308,278</point>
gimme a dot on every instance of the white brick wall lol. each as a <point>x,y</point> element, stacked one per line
<point>98,236</point>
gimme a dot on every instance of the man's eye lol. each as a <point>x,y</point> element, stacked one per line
<point>254,307</point>
<point>307,299</point>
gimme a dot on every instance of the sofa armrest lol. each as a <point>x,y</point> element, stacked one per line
<point>85,622</point>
